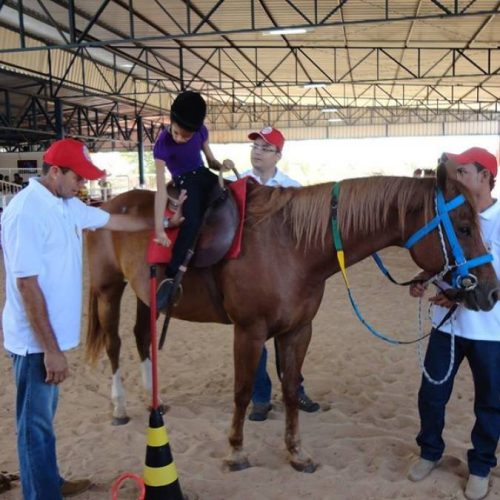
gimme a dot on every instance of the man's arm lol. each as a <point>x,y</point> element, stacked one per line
<point>127,222</point>
<point>35,306</point>
<point>124,222</point>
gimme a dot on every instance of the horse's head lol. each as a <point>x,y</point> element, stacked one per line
<point>454,246</point>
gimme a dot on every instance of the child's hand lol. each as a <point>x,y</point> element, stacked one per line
<point>162,239</point>
<point>227,165</point>
<point>177,219</point>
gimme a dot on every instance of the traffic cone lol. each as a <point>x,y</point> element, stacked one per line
<point>160,473</point>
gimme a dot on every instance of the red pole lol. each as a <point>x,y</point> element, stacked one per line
<point>154,343</point>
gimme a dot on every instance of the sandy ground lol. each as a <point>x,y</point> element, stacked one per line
<point>363,438</point>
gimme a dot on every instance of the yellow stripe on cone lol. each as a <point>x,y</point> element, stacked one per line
<point>157,437</point>
<point>160,476</point>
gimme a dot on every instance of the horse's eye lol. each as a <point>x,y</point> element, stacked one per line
<point>465,230</point>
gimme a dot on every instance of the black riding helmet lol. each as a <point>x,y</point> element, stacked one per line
<point>188,110</point>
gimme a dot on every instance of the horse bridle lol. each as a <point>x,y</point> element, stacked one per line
<point>462,278</point>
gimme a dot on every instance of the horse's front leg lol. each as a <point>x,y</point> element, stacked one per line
<point>292,348</point>
<point>248,347</point>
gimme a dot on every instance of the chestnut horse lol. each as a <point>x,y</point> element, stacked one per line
<point>275,287</point>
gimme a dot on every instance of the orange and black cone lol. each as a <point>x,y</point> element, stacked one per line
<point>160,473</point>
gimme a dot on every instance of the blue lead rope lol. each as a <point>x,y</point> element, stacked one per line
<point>337,243</point>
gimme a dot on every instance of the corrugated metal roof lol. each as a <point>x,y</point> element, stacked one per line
<point>419,54</point>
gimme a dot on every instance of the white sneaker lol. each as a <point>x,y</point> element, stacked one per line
<point>421,469</point>
<point>477,487</point>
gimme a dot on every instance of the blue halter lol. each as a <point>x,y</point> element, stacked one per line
<point>461,276</point>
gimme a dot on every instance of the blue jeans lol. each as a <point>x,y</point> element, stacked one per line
<point>262,386</point>
<point>484,360</point>
<point>36,405</point>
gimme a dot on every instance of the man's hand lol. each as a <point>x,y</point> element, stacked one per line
<point>56,367</point>
<point>417,289</point>
<point>440,299</point>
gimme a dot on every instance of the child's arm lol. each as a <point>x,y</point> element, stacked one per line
<point>160,203</point>
<point>213,163</point>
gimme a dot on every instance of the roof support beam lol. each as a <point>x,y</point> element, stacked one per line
<point>93,21</point>
<point>250,28</point>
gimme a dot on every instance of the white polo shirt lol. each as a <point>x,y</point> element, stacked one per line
<point>42,236</point>
<point>279,179</point>
<point>478,325</point>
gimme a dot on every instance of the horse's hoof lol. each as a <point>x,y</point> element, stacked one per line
<point>120,420</point>
<point>237,466</point>
<point>308,466</point>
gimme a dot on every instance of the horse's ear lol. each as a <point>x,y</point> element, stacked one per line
<point>441,176</point>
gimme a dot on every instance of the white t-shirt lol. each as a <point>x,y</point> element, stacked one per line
<point>478,325</point>
<point>279,179</point>
<point>42,236</point>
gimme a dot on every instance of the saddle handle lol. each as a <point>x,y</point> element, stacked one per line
<point>221,175</point>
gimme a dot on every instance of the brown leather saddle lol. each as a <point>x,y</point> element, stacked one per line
<point>219,228</point>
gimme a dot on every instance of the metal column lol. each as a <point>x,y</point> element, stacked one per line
<point>140,149</point>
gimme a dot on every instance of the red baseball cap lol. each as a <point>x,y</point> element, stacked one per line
<point>72,154</point>
<point>271,135</point>
<point>476,155</point>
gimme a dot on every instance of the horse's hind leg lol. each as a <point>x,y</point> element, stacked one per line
<point>247,352</point>
<point>142,333</point>
<point>108,310</point>
<point>292,348</point>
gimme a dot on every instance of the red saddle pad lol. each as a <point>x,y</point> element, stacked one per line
<point>158,254</point>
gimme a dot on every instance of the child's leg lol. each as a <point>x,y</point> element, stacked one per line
<point>198,185</point>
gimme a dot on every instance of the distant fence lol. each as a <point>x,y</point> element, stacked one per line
<point>94,192</point>
<point>7,192</point>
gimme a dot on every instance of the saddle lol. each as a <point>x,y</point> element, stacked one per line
<point>219,227</point>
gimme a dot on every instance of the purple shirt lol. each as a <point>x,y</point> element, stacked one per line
<point>180,158</point>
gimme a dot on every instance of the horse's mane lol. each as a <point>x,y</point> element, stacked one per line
<point>373,197</point>
<point>364,205</point>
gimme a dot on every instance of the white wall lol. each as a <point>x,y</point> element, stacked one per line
<point>9,160</point>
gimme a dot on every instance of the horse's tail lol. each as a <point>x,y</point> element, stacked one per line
<point>95,341</point>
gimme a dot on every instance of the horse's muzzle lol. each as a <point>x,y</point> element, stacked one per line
<point>476,299</point>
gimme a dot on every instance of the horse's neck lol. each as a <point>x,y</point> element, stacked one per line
<point>357,245</point>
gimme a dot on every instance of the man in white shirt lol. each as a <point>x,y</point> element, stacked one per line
<point>477,338</point>
<point>267,148</point>
<point>42,246</point>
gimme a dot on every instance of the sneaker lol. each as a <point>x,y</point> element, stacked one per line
<point>259,412</point>
<point>307,404</point>
<point>74,487</point>
<point>421,469</point>
<point>164,294</point>
<point>477,487</point>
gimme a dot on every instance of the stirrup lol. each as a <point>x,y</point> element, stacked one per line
<point>164,294</point>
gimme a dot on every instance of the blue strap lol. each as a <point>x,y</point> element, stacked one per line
<point>450,232</point>
<point>434,223</point>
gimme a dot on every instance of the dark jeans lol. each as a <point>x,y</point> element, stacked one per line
<point>198,184</point>
<point>484,360</point>
<point>36,405</point>
<point>262,386</point>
